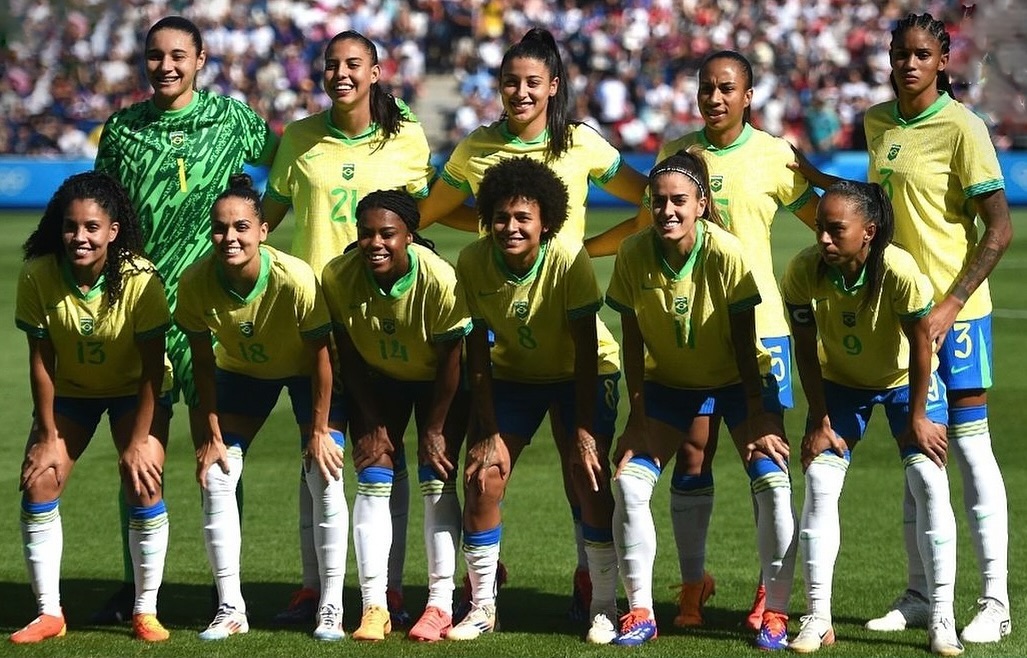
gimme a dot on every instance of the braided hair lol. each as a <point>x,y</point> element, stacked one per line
<point>936,29</point>
<point>538,44</point>
<point>110,195</point>
<point>400,203</point>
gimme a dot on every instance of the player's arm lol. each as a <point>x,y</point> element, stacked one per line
<point>816,177</point>
<point>212,448</point>
<point>765,432</point>
<point>371,438</point>
<point>485,447</point>
<point>633,440</point>
<point>274,211</point>
<point>607,242</point>
<point>42,453</point>
<point>321,447</point>
<point>993,210</point>
<point>138,460</point>
<point>586,382</point>
<point>929,437</point>
<point>819,435</point>
<point>807,212</point>
<point>432,445</point>
<point>445,204</point>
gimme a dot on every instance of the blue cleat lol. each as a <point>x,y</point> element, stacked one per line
<point>637,627</point>
<point>773,635</point>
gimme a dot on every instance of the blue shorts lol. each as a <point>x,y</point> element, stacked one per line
<point>850,408</point>
<point>678,407</point>
<point>965,356</point>
<point>249,396</point>
<point>780,348</point>
<point>520,407</point>
<point>87,411</point>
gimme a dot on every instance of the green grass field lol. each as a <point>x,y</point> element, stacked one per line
<point>538,545</point>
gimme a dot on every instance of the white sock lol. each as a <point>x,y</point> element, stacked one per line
<point>442,525</point>
<point>372,532</point>
<point>634,532</point>
<point>820,530</point>
<point>691,507</point>
<point>775,531</point>
<point>222,533</point>
<point>602,570</point>
<point>984,497</point>
<point>148,531</point>
<point>916,576</point>
<point>311,578</point>
<point>399,507</point>
<point>42,538</point>
<point>330,534</point>
<point>936,531</point>
<point>481,552</point>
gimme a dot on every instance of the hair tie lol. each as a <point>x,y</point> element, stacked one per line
<point>683,172</point>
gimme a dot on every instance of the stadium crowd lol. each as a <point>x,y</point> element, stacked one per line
<point>819,63</point>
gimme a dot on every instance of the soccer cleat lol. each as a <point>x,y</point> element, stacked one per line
<point>148,628</point>
<point>41,628</point>
<point>637,627</point>
<point>816,632</point>
<point>329,624</point>
<point>463,606</point>
<point>433,625</point>
<point>397,612</point>
<point>117,609</point>
<point>691,599</point>
<point>581,596</point>
<point>228,621</point>
<point>990,624</point>
<point>759,603</point>
<point>773,635</point>
<point>943,639</point>
<point>375,624</point>
<point>602,631</point>
<point>302,609</point>
<point>480,619</point>
<point>911,610</point>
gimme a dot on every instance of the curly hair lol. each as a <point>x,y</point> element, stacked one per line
<point>47,239</point>
<point>523,178</point>
<point>400,203</point>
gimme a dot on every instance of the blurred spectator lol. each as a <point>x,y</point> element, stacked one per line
<point>823,124</point>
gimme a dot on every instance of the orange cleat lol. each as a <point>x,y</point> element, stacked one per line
<point>41,628</point>
<point>691,599</point>
<point>147,628</point>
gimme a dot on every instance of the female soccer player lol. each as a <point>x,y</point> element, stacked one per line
<point>749,179</point>
<point>268,317</point>
<point>540,301</point>
<point>858,307</point>
<point>399,325</point>
<point>535,91</point>
<point>934,158</point>
<point>367,140</point>
<point>174,154</point>
<point>686,299</point>
<point>95,314</point>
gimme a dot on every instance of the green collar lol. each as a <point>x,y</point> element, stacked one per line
<point>258,287</point>
<point>69,277</point>
<point>838,279</point>
<point>693,256</point>
<point>504,130</point>
<point>932,109</point>
<point>530,274</point>
<point>173,114</point>
<point>335,132</point>
<point>403,283</point>
<point>716,150</point>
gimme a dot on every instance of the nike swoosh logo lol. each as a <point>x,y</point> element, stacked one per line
<point>153,552</point>
<point>956,371</point>
<point>311,156</point>
<point>941,542</point>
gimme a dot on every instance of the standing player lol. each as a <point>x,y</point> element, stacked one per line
<point>95,314</point>
<point>399,325</point>
<point>858,307</point>
<point>535,91</point>
<point>540,301</point>
<point>686,298</point>
<point>749,179</point>
<point>270,326</point>
<point>935,160</point>
<point>327,162</point>
<point>174,154</point>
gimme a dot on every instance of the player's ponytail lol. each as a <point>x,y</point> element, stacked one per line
<point>874,206</point>
<point>936,29</point>
<point>539,44</point>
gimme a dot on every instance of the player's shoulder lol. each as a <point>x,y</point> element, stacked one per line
<point>636,243</point>
<point>677,144</point>
<point>720,240</point>
<point>289,265</point>
<point>771,144</point>
<point>197,273</point>
<point>475,254</point>
<point>898,259</point>
<point>40,268</point>
<point>339,269</point>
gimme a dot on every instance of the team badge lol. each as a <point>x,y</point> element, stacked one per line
<point>848,318</point>
<point>246,329</point>
<point>520,310</point>
<point>349,170</point>
<point>716,183</point>
<point>85,326</point>
<point>177,139</point>
<point>389,326</point>
<point>681,305</point>
<point>893,151</point>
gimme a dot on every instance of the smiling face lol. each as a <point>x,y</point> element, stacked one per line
<point>349,73</point>
<point>517,229</point>
<point>383,238</point>
<point>843,236</point>
<point>87,232</point>
<point>676,205</point>
<point>724,94</point>
<point>916,60</point>
<point>172,61</point>
<point>237,232</point>
<point>526,85</point>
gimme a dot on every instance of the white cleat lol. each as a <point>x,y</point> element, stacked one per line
<point>943,638</point>
<point>911,610</point>
<point>990,624</point>
<point>602,631</point>
<point>481,619</point>
<point>228,621</point>
<point>329,624</point>
<point>816,632</point>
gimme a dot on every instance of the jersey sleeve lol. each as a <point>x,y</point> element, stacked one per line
<point>28,314</point>
<point>740,285</point>
<point>604,158</point>
<point>465,273</point>
<point>793,190</point>
<point>188,314</point>
<point>454,172</point>
<point>583,296</point>
<point>975,162</point>
<point>795,288</point>
<point>619,295</point>
<point>452,319</point>
<point>912,293</point>
<point>151,315</point>
<point>280,177</point>
<point>311,307</point>
<point>422,177</point>
<point>260,141</point>
<point>106,154</point>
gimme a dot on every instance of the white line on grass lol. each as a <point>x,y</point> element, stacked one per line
<point>1010,313</point>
